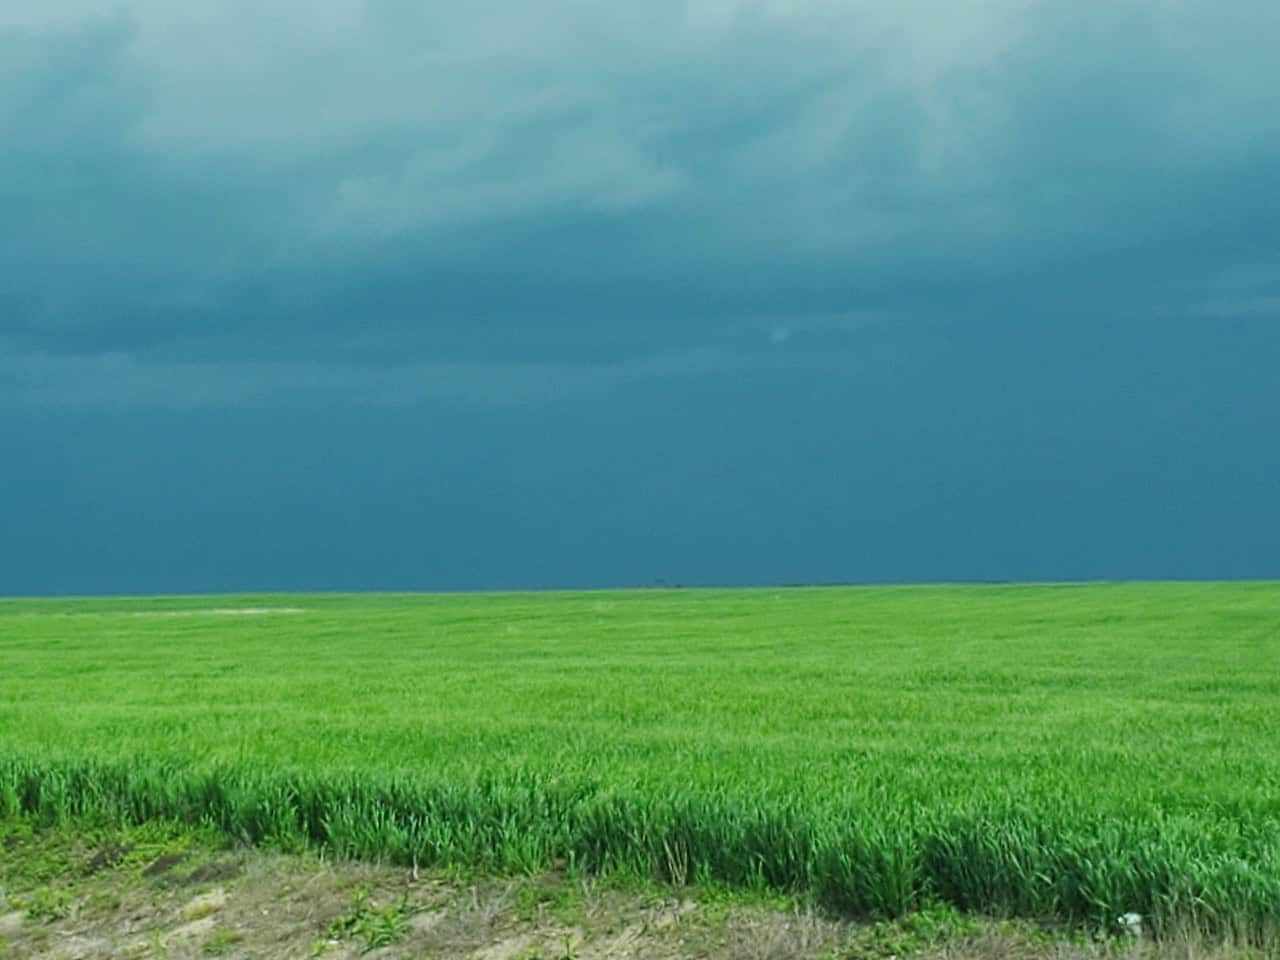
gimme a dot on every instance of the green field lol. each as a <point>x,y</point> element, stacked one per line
<point>1069,752</point>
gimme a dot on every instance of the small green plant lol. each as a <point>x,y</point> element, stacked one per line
<point>201,909</point>
<point>911,934</point>
<point>375,926</point>
<point>48,904</point>
<point>220,942</point>
<point>105,901</point>
<point>534,899</point>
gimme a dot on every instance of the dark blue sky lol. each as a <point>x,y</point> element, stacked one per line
<point>404,295</point>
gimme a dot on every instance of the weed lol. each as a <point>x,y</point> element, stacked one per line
<point>47,904</point>
<point>203,907</point>
<point>105,900</point>
<point>373,925</point>
<point>536,898</point>
<point>220,941</point>
<point>910,934</point>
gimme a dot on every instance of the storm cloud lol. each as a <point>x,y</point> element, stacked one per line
<point>707,291</point>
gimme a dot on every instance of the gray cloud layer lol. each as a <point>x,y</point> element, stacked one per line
<point>175,173</point>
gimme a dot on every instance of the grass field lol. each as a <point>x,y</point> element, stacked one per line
<point>1072,752</point>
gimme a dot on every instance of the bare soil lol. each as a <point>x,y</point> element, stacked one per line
<point>69,897</point>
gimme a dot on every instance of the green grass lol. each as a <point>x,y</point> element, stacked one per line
<point>1070,752</point>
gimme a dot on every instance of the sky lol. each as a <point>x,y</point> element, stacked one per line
<point>414,295</point>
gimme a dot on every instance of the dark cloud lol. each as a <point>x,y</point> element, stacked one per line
<point>989,291</point>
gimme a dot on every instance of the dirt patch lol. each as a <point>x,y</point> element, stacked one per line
<point>775,935</point>
<point>198,930</point>
<point>108,856</point>
<point>217,872</point>
<point>204,905</point>
<point>163,864</point>
<point>285,907</point>
<point>507,948</point>
<point>622,944</point>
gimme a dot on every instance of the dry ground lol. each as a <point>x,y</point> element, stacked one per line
<point>163,893</point>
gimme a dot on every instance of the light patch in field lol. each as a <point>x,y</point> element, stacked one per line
<point>192,930</point>
<point>507,948</point>
<point>205,905</point>
<point>221,612</point>
<point>625,944</point>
